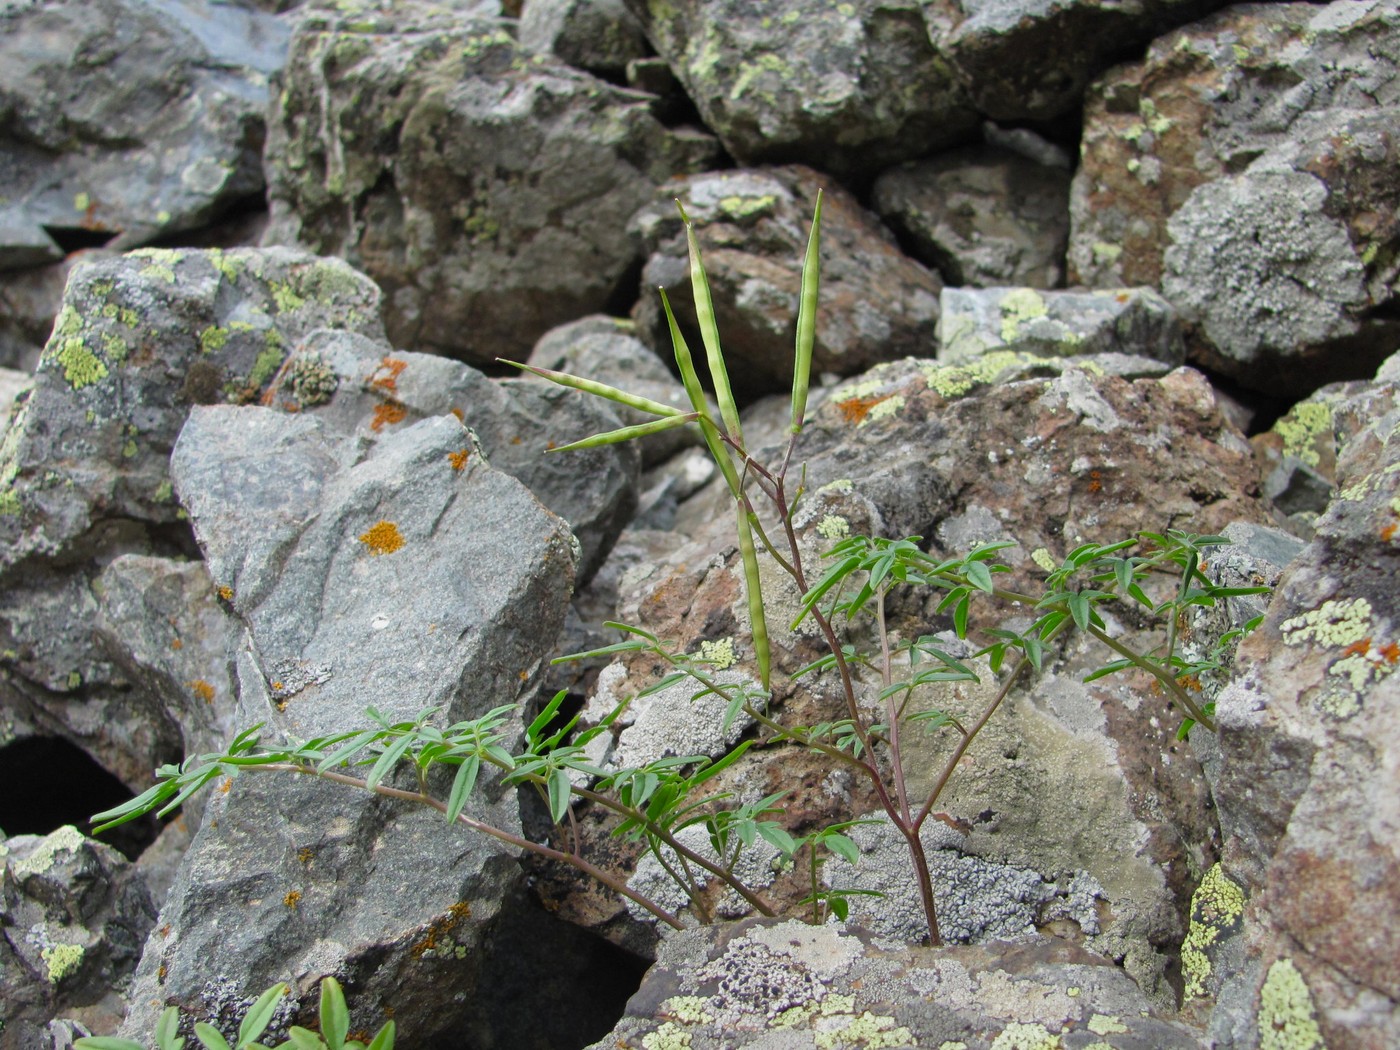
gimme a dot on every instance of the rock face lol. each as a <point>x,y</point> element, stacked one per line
<point>75,914</point>
<point>1263,211</point>
<point>398,580</point>
<point>128,120</point>
<point>418,148</point>
<point>1307,772</point>
<point>797,986</point>
<point>245,485</point>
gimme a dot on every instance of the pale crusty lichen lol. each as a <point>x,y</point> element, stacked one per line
<point>1105,1024</point>
<point>1216,906</point>
<point>1026,1037</point>
<point>833,527</point>
<point>1338,623</point>
<point>1301,428</point>
<point>687,1009</point>
<point>669,1036</point>
<point>1287,1019</point>
<point>719,654</point>
<point>66,839</point>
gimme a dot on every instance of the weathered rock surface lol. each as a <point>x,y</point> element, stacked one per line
<point>752,227</point>
<point>851,88</point>
<point>1129,321</point>
<point>1246,167</point>
<point>392,578</point>
<point>420,147</point>
<point>74,914</point>
<point>794,986</point>
<point>601,36</point>
<point>1308,767</point>
<point>129,119</point>
<point>982,216</point>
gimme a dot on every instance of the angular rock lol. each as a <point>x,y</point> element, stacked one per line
<point>797,986</point>
<point>1245,166</point>
<point>486,189</point>
<point>1307,772</point>
<point>74,914</point>
<point>850,88</point>
<point>128,120</point>
<point>1129,321</point>
<point>982,216</point>
<point>600,36</point>
<point>387,578</point>
<point>1032,61</point>
<point>752,227</point>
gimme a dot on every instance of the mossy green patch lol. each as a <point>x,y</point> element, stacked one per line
<point>740,207</point>
<point>10,505</point>
<point>265,365</point>
<point>1018,306</point>
<point>285,297</point>
<point>1287,1020</point>
<point>213,338</point>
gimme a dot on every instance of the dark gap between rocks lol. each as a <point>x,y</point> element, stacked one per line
<point>47,782</point>
<point>75,238</point>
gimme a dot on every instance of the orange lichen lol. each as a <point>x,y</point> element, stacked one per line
<point>459,459</point>
<point>1390,652</point>
<point>383,537</point>
<point>1360,648</point>
<point>202,689</point>
<point>305,854</point>
<point>291,899</point>
<point>455,914</point>
<point>1388,533</point>
<point>175,643</point>
<point>1095,481</point>
<point>394,367</point>
<point>460,417</point>
<point>225,784</point>
<point>226,593</point>
<point>387,413</point>
<point>855,409</point>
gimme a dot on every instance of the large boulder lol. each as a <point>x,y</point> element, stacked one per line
<point>127,119</point>
<point>1266,213</point>
<point>485,187</point>
<point>404,577</point>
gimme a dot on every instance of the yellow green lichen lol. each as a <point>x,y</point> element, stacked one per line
<point>1287,1020</point>
<point>1042,557</point>
<point>1026,1037</point>
<point>9,503</point>
<point>669,1036</point>
<point>833,527</point>
<point>1105,1024</point>
<point>165,492</point>
<point>81,367</point>
<point>230,268</point>
<point>1018,306</point>
<point>868,1030</point>
<point>265,366</point>
<point>954,380</point>
<point>1216,906</point>
<point>952,1044</point>
<point>286,297</point>
<point>884,409</point>
<point>129,449</point>
<point>719,654</point>
<point>162,262</point>
<point>115,348</point>
<point>1333,623</point>
<point>751,72</point>
<point>62,960</point>
<point>82,201</point>
<point>213,338</point>
<point>688,1009</point>
<point>839,485</point>
<point>1106,254</point>
<point>737,207</point>
<point>68,322</point>
<point>1302,427</point>
<point>66,839</point>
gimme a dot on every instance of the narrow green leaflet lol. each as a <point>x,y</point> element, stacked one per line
<point>209,1036</point>
<point>589,386</point>
<point>259,1015</point>
<point>335,1018</point>
<point>807,320</point>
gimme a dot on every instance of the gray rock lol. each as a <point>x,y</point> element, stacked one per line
<point>1129,321</point>
<point>601,36</point>
<point>75,914</point>
<point>791,986</point>
<point>383,577</point>
<point>1032,60</point>
<point>981,216</point>
<point>848,88</point>
<point>752,228</point>
<point>128,118</point>
<point>486,189</point>
<point>1305,793</point>
<point>1244,167</point>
